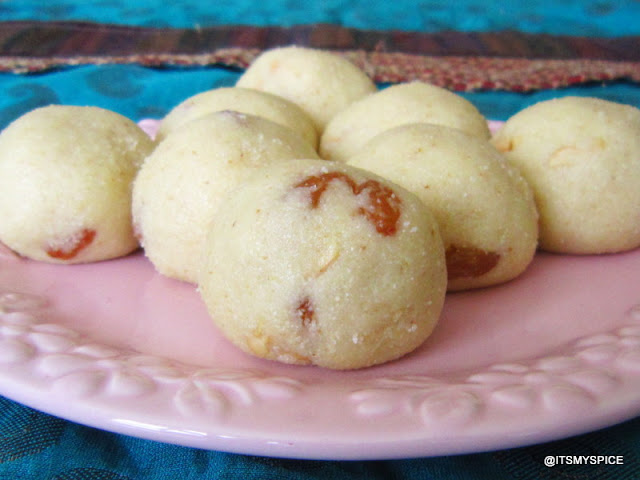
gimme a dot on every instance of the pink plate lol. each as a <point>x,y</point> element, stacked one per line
<point>114,345</point>
<point>117,346</point>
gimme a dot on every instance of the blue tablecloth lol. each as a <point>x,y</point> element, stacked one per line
<point>138,92</point>
<point>564,17</point>
<point>34,445</point>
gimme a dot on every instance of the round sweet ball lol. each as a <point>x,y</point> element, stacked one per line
<point>180,185</point>
<point>320,82</point>
<point>400,104</point>
<point>581,156</point>
<point>65,183</point>
<point>316,262</point>
<point>484,207</point>
<point>243,100</point>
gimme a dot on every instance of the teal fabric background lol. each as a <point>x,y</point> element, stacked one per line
<point>36,446</point>
<point>138,92</point>
<point>570,17</point>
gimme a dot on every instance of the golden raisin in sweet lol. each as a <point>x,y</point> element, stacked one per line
<point>319,183</point>
<point>382,210</point>
<point>74,245</point>
<point>469,262</point>
<point>305,311</point>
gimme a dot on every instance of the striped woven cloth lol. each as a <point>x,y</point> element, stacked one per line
<point>462,61</point>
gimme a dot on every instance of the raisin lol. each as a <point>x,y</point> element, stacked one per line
<point>383,208</point>
<point>469,262</point>
<point>305,312</point>
<point>73,246</point>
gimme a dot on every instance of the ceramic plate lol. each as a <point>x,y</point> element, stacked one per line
<point>117,346</point>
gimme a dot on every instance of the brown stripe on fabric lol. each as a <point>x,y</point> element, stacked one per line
<point>460,61</point>
<point>65,39</point>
